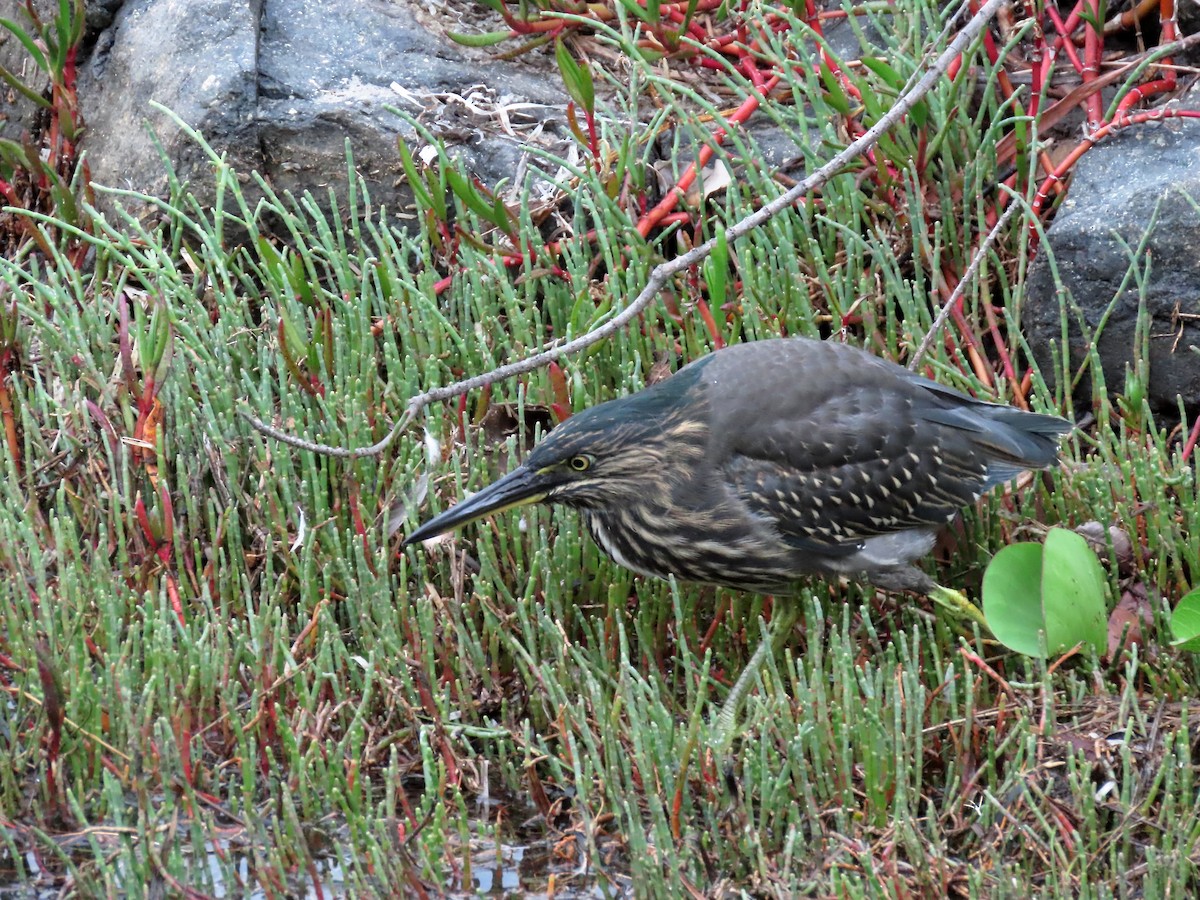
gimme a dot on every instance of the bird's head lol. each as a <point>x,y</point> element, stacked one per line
<point>612,454</point>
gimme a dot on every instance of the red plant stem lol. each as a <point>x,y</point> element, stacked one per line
<point>969,342</point>
<point>162,547</point>
<point>1010,372</point>
<point>1093,46</point>
<point>710,323</point>
<point>356,519</point>
<point>184,737</point>
<point>1002,79</point>
<point>667,205</point>
<point>1190,444</point>
<point>460,433</point>
<point>722,608</point>
<point>164,554</point>
<point>1069,26</point>
<point>1167,81</point>
<point>595,141</point>
<point>1166,15</point>
<point>1144,92</point>
<point>1066,46</point>
<point>752,71</point>
<point>10,421</point>
<point>679,218</point>
<point>1041,65</point>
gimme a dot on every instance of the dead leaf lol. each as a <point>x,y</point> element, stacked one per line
<point>1125,623</point>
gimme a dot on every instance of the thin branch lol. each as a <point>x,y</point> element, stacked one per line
<point>968,276</point>
<point>663,272</point>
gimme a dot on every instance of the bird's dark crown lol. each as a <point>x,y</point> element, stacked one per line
<point>605,450</point>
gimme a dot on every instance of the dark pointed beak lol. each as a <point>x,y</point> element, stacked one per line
<point>520,487</point>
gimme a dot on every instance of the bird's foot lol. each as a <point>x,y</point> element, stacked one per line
<point>957,604</point>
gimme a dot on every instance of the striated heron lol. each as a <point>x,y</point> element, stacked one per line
<point>766,462</point>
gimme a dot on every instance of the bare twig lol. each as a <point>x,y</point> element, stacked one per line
<point>663,272</point>
<point>976,261</point>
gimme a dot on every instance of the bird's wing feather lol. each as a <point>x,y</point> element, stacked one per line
<point>831,472</point>
<point>845,446</point>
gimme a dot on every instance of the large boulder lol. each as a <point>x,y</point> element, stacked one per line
<point>280,87</point>
<point>1133,205</point>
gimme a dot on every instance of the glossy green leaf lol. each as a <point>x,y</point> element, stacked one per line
<point>920,114</point>
<point>295,342</point>
<point>635,9</point>
<point>415,182</point>
<point>1073,592</point>
<point>1185,622</point>
<point>39,58</point>
<point>716,271</point>
<point>16,84</point>
<point>472,197</point>
<point>1012,598</point>
<point>886,73</point>
<point>1046,599</point>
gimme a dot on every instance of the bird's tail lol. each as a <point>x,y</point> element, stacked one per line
<point>1017,440</point>
<point>1011,439</point>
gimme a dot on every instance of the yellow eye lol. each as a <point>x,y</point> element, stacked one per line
<point>579,463</point>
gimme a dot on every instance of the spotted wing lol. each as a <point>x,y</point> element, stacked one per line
<point>853,465</point>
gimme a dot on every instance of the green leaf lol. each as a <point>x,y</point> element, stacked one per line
<point>39,58</point>
<point>65,206</point>
<point>886,73</point>
<point>1012,601</point>
<point>687,16</point>
<point>501,215</point>
<point>1052,593</point>
<point>17,155</point>
<point>166,352</point>
<point>78,21</point>
<point>436,184</point>
<point>17,85</point>
<point>486,39</point>
<point>716,270</point>
<point>577,78</point>
<point>920,113</point>
<point>1185,622</point>
<point>474,200</point>
<point>298,281</point>
<point>875,108</point>
<point>1073,592</point>
<point>635,9</point>
<point>275,264</point>
<point>415,182</point>
<point>835,95</point>
<point>296,344</point>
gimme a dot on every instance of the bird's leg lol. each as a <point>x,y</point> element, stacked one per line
<point>913,579</point>
<point>958,605</point>
<point>777,632</point>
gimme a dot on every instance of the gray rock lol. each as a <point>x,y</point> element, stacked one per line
<point>1187,16</point>
<point>327,78</point>
<point>18,114</point>
<point>1145,179</point>
<point>198,57</point>
<point>280,87</point>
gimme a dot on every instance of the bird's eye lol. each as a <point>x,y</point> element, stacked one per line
<point>579,463</point>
